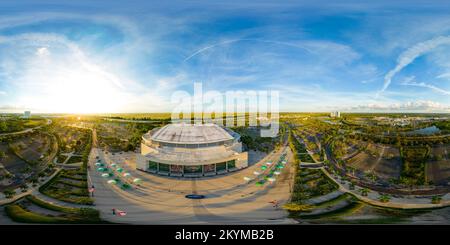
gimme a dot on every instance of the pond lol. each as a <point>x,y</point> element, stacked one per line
<point>331,122</point>
<point>425,131</point>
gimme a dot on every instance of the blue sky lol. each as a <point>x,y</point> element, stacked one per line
<point>130,56</point>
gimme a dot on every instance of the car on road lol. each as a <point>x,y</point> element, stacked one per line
<point>194,196</point>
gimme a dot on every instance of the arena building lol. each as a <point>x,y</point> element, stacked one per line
<point>191,150</point>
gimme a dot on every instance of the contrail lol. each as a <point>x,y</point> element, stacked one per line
<point>410,82</point>
<point>410,55</point>
<point>210,47</point>
<point>199,51</point>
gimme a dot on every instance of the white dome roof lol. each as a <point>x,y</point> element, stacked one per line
<point>182,133</point>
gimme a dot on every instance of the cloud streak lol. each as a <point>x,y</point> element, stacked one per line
<point>144,53</point>
<point>413,106</point>
<point>45,39</point>
<point>410,82</point>
<point>201,50</point>
<point>408,56</point>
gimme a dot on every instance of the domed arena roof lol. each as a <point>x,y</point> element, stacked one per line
<point>182,133</point>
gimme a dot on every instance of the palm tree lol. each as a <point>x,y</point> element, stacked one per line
<point>9,193</point>
<point>24,188</point>
<point>384,198</point>
<point>352,186</point>
<point>364,192</point>
<point>436,199</point>
<point>8,175</point>
<point>2,155</point>
<point>371,176</point>
<point>352,170</point>
<point>34,181</point>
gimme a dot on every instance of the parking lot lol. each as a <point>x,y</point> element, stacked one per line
<point>243,197</point>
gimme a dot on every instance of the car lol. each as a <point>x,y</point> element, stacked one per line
<point>194,196</point>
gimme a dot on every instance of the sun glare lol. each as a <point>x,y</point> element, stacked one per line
<point>66,83</point>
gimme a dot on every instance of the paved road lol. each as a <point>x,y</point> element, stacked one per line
<point>27,130</point>
<point>161,200</point>
<point>407,202</point>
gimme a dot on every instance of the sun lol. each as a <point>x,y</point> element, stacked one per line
<point>68,83</point>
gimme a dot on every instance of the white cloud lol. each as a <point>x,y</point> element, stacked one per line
<point>444,75</point>
<point>124,25</point>
<point>325,62</point>
<point>409,82</point>
<point>66,81</point>
<point>43,51</point>
<point>309,98</point>
<point>413,106</point>
<point>408,56</point>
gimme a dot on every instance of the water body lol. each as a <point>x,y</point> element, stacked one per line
<point>425,131</point>
<point>331,122</point>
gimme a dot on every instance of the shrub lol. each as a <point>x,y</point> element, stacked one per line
<point>82,215</point>
<point>85,212</point>
<point>9,193</point>
<point>294,207</point>
<point>18,214</point>
<point>364,192</point>
<point>24,187</point>
<point>436,199</point>
<point>384,198</point>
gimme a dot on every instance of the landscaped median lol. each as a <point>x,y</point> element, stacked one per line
<point>314,195</point>
<point>24,211</point>
<point>312,184</point>
<point>69,186</point>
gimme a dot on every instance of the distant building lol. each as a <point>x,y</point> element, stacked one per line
<point>26,114</point>
<point>335,114</point>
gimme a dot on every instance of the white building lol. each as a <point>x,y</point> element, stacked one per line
<point>26,114</point>
<point>335,114</point>
<point>191,150</point>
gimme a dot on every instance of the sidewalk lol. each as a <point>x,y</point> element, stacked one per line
<point>402,203</point>
<point>31,190</point>
<point>372,198</point>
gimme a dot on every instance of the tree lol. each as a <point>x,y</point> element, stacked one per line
<point>129,147</point>
<point>3,126</point>
<point>8,175</point>
<point>9,193</point>
<point>352,170</point>
<point>352,186</point>
<point>24,187</point>
<point>384,198</point>
<point>2,155</point>
<point>34,181</point>
<point>295,207</point>
<point>364,192</point>
<point>371,176</point>
<point>436,199</point>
